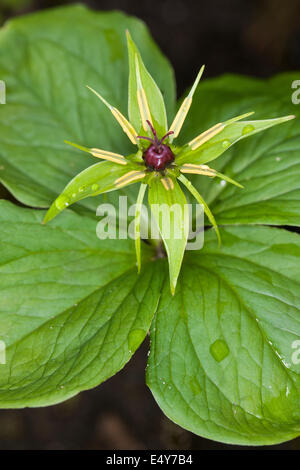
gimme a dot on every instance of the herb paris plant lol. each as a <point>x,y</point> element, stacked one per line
<point>224,360</point>
<point>161,163</point>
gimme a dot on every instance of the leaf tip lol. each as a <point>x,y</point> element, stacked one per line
<point>130,43</point>
<point>46,218</point>
<point>218,236</point>
<point>196,83</point>
<point>77,146</point>
<point>201,71</point>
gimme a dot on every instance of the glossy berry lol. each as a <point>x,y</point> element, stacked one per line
<point>158,155</point>
<point>158,158</point>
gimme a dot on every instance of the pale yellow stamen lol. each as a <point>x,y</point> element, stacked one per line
<point>198,169</point>
<point>184,108</point>
<point>207,135</point>
<point>124,123</point>
<point>180,117</point>
<point>129,177</point>
<point>142,98</point>
<point>126,126</point>
<point>167,183</point>
<point>207,171</point>
<point>238,118</point>
<point>113,157</point>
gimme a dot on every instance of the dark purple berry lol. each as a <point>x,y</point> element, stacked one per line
<point>158,155</point>
<point>158,158</point>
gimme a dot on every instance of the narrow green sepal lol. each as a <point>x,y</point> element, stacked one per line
<point>200,199</point>
<point>169,208</point>
<point>96,179</point>
<point>137,224</point>
<point>146,88</point>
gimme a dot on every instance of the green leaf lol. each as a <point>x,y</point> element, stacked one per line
<point>230,135</point>
<point>267,165</point>
<point>46,61</point>
<point>139,77</point>
<point>73,310</point>
<point>96,179</point>
<point>201,201</point>
<point>137,224</point>
<point>169,208</point>
<point>224,359</point>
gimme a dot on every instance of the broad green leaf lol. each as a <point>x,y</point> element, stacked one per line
<point>267,165</point>
<point>230,135</point>
<point>96,179</point>
<point>141,82</point>
<point>169,208</point>
<point>73,310</point>
<point>225,349</point>
<point>46,60</point>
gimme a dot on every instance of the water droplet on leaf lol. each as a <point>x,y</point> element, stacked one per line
<point>95,187</point>
<point>247,129</point>
<point>62,202</point>
<point>219,350</point>
<point>226,144</point>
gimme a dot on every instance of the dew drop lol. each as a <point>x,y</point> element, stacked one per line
<point>81,189</point>
<point>226,144</point>
<point>223,183</point>
<point>247,129</point>
<point>277,159</point>
<point>219,350</point>
<point>95,187</point>
<point>62,202</point>
<point>135,338</point>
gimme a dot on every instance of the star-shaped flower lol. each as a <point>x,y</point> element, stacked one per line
<point>158,162</point>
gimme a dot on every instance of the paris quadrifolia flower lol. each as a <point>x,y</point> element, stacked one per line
<point>158,163</point>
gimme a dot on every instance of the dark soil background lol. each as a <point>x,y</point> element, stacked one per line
<point>254,37</point>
